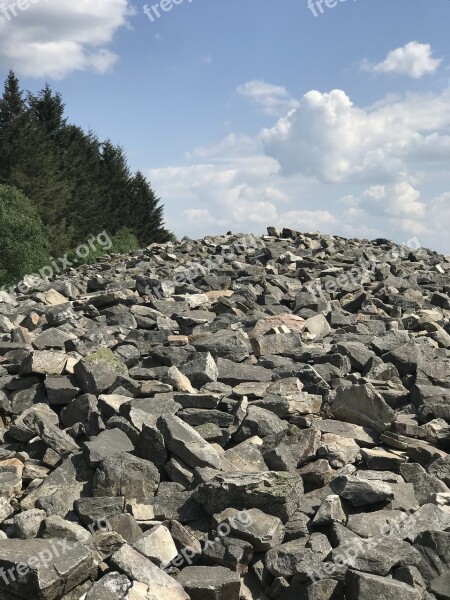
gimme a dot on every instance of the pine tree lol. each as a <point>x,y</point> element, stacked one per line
<point>82,165</point>
<point>116,175</point>
<point>38,174</point>
<point>48,109</point>
<point>14,124</point>
<point>29,161</point>
<point>147,212</point>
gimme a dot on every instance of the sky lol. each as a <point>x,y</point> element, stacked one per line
<point>330,117</point>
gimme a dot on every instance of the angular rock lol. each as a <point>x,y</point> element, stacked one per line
<point>185,442</point>
<point>126,475</point>
<point>139,568</point>
<point>362,586</point>
<point>278,494</point>
<point>98,371</point>
<point>45,569</point>
<point>360,492</point>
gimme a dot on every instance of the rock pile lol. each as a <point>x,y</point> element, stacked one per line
<point>235,418</point>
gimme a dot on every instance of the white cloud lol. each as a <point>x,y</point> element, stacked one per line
<point>309,220</point>
<point>414,60</point>
<point>387,163</point>
<point>55,37</point>
<point>274,100</point>
<point>327,137</point>
<point>400,200</point>
<point>401,210</point>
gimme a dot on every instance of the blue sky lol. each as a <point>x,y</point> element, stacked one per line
<point>252,113</point>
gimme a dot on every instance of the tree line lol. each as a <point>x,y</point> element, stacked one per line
<point>60,184</point>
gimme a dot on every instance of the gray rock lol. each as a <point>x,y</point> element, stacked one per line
<point>278,494</point>
<point>139,568</point>
<point>232,373</point>
<point>126,475</point>
<point>201,369</point>
<point>106,444</point>
<point>157,545</point>
<point>260,422</point>
<point>441,586</point>
<point>425,484</point>
<point>362,405</point>
<point>330,511</point>
<point>440,469</point>
<point>434,548</point>
<point>45,362</point>
<point>28,523</point>
<point>228,552</point>
<point>57,527</point>
<point>96,510</point>
<point>98,371</point>
<point>210,583</point>
<point>360,492</point>
<point>261,530</point>
<point>60,390</point>
<point>45,569</point>
<point>286,452</point>
<point>185,442</point>
<point>362,586</point>
<point>299,557</point>
<point>231,345</point>
<point>65,485</point>
<point>338,450</point>
<point>363,436</point>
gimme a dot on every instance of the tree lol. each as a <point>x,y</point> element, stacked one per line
<point>82,166</point>
<point>147,212</point>
<point>48,109</point>
<point>38,174</point>
<point>14,123</point>
<point>29,159</point>
<point>116,175</point>
<point>24,247</point>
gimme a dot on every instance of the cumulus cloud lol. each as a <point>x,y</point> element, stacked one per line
<point>382,160</point>
<point>414,60</point>
<point>52,38</point>
<point>329,138</point>
<point>402,209</point>
<point>274,100</point>
<point>400,200</point>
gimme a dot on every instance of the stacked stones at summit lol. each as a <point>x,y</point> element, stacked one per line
<point>233,418</point>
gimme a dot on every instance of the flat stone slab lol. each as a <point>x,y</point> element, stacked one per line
<point>139,568</point>
<point>43,568</point>
<point>210,583</point>
<point>276,493</point>
<point>108,443</point>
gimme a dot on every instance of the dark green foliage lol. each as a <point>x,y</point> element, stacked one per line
<point>147,212</point>
<point>23,237</point>
<point>15,122</point>
<point>77,184</point>
<point>48,108</point>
